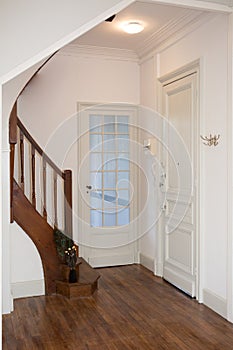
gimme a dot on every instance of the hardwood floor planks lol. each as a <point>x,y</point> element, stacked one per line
<point>132,309</point>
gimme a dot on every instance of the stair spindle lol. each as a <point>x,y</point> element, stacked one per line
<point>33,176</point>
<point>68,202</point>
<point>44,189</point>
<point>55,198</point>
<point>21,147</point>
<point>12,161</point>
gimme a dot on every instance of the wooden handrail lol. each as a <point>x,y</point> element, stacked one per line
<point>39,149</point>
<point>65,175</point>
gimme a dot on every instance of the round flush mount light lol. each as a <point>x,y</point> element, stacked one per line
<point>133,27</point>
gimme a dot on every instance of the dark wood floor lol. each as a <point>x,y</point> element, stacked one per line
<point>131,310</point>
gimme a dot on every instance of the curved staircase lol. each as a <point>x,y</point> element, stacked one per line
<point>34,221</point>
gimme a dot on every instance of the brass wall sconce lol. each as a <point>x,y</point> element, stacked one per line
<point>212,140</point>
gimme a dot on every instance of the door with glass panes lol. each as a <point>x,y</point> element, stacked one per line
<point>107,181</point>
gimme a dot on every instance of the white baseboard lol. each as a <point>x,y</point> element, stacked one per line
<point>147,262</point>
<point>114,260</point>
<point>27,289</point>
<point>158,269</point>
<point>215,302</point>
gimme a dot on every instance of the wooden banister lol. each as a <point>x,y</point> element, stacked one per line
<point>38,148</point>
<point>66,177</point>
<point>13,125</point>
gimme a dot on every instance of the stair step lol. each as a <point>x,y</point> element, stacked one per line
<point>86,284</point>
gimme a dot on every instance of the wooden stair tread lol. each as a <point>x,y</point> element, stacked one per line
<point>86,285</point>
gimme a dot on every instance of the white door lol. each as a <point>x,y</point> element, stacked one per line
<point>179,159</point>
<point>107,181</point>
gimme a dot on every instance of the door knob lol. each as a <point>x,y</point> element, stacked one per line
<point>89,187</point>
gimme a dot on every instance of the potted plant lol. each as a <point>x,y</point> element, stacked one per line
<point>68,255</point>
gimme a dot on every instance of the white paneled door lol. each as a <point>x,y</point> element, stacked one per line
<point>107,179</point>
<point>179,104</point>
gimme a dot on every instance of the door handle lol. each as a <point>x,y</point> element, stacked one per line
<point>89,187</point>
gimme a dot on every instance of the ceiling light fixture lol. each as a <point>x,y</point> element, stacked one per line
<point>132,27</point>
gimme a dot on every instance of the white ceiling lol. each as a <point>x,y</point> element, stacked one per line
<point>154,17</point>
<point>161,22</point>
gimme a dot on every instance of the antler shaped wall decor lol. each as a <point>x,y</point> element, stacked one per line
<point>212,140</point>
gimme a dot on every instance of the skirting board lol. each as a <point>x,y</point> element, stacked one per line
<point>215,302</point>
<point>27,289</point>
<point>147,262</point>
<point>113,260</point>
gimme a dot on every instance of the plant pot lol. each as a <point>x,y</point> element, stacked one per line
<point>73,276</point>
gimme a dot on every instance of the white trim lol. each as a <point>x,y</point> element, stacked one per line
<point>27,289</point>
<point>175,34</point>
<point>147,262</point>
<point>111,260</point>
<point>1,212</point>
<point>200,184</point>
<point>173,31</point>
<point>197,4</point>
<point>229,175</point>
<point>179,280</point>
<point>86,247</point>
<point>215,302</point>
<point>179,73</point>
<point>88,51</point>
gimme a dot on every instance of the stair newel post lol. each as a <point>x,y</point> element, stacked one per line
<point>21,150</point>
<point>33,176</point>
<point>13,142</point>
<point>44,188</point>
<point>55,198</point>
<point>68,202</point>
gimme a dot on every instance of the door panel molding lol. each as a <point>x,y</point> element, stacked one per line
<point>181,271</point>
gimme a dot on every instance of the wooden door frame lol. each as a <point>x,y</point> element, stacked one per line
<point>195,66</point>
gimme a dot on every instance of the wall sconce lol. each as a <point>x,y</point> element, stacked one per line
<point>212,140</point>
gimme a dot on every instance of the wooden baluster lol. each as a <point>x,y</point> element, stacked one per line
<point>68,202</point>
<point>33,176</point>
<point>12,162</point>
<point>44,190</point>
<point>55,198</point>
<point>13,141</point>
<point>21,147</point>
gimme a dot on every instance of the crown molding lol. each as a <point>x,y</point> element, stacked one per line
<point>212,5</point>
<point>172,32</point>
<point>88,51</point>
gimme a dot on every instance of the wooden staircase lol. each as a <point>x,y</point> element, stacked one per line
<point>34,223</point>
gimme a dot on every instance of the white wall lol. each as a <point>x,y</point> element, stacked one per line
<point>53,95</point>
<point>48,103</point>
<point>27,277</point>
<point>209,44</point>
<point>32,30</point>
